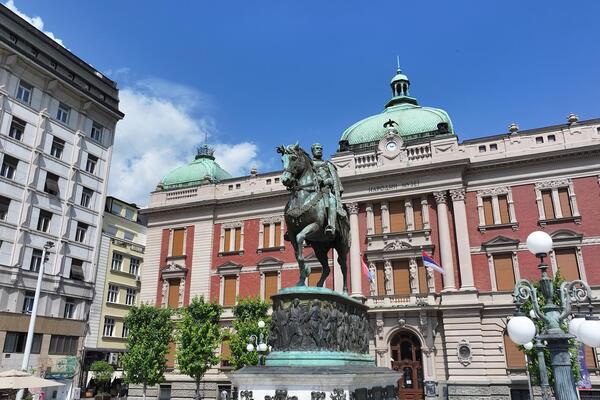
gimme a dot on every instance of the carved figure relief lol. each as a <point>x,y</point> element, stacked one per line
<point>388,273</point>
<point>373,282</point>
<point>413,275</point>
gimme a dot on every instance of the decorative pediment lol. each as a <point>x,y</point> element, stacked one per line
<point>501,242</point>
<point>173,271</point>
<point>229,267</point>
<point>493,191</point>
<point>269,263</point>
<point>566,237</point>
<point>272,219</point>
<point>553,183</point>
<point>397,245</point>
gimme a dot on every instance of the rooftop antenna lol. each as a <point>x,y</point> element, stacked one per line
<point>398,62</point>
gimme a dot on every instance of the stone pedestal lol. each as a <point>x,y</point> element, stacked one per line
<point>320,341</point>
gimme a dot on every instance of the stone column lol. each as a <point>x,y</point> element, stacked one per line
<point>355,275</point>
<point>445,244</point>
<point>462,239</point>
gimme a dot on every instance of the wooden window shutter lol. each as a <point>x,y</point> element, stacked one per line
<point>266,235</point>
<point>171,355</point>
<point>515,358</point>
<point>377,229</point>
<point>401,277</point>
<point>229,290</point>
<point>270,285</point>
<point>566,260</point>
<point>488,211</point>
<point>380,279</point>
<point>277,234</point>
<point>503,205</point>
<point>174,293</point>
<point>505,275</point>
<point>225,353</point>
<point>590,357</point>
<point>315,275</point>
<point>565,204</point>
<point>422,274</point>
<point>238,239</point>
<point>418,214</point>
<point>227,240</point>
<point>397,218</point>
<point>178,235</point>
<point>548,206</point>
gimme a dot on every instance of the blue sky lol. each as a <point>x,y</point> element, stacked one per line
<point>253,75</point>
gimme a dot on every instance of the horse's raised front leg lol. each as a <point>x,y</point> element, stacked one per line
<point>299,247</point>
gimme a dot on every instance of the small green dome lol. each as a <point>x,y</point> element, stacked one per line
<point>203,169</point>
<point>411,121</point>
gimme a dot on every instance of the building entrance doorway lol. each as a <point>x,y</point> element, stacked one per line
<point>407,360</point>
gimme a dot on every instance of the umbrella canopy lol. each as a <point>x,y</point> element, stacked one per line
<point>15,379</point>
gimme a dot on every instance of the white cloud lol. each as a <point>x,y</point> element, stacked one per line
<point>161,131</point>
<point>36,21</point>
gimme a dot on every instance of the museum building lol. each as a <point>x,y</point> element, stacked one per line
<point>410,186</point>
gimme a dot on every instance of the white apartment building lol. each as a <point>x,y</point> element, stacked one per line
<point>57,124</point>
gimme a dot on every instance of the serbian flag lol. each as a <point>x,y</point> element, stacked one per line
<point>430,262</point>
<point>366,270</point>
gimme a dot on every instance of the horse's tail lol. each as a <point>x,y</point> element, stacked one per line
<point>343,231</point>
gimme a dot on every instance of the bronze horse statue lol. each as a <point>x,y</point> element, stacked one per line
<point>306,215</point>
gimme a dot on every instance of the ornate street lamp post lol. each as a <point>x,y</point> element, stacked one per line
<point>521,329</point>
<point>259,343</point>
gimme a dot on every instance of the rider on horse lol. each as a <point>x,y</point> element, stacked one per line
<point>331,187</point>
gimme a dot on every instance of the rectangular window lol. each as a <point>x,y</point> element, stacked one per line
<point>44,221</point>
<point>117,261</point>
<point>174,293</point>
<point>127,235</point>
<point>270,285</point>
<point>96,133</point>
<point>129,214</point>
<point>51,185</point>
<point>9,167</point>
<point>401,277</point>
<point>24,92</point>
<point>113,294</point>
<point>417,214</point>
<point>90,164</point>
<point>233,235</point>
<point>4,206</point>
<point>380,279</point>
<point>397,216</point>
<point>225,354</point>
<point>590,357</point>
<point>548,206</point>
<point>505,274</point>
<point>227,240</point>
<point>565,204</point>
<point>422,273</point>
<point>514,357</point>
<point>58,145</point>
<point>28,302</point>
<point>378,226</point>
<point>69,308</point>
<point>86,197</point>
<point>164,392</point>
<point>488,211</point>
<point>503,205</point>
<point>566,261</point>
<point>277,236</point>
<point>238,239</point>
<point>36,260</point>
<point>134,266</point>
<point>109,326</point>
<point>77,270</point>
<point>266,236</point>
<point>17,128</point>
<point>116,208</point>
<point>15,342</point>
<point>130,297</point>
<point>178,236</point>
<point>81,232</point>
<point>125,331</point>
<point>229,290</point>
<point>62,114</point>
<point>63,345</point>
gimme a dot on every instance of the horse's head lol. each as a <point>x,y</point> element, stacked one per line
<point>295,161</point>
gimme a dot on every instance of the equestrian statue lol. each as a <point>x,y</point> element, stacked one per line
<point>314,213</point>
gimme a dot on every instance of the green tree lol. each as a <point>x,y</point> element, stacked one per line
<point>198,338</point>
<point>102,373</point>
<point>247,313</point>
<point>150,331</point>
<point>533,365</point>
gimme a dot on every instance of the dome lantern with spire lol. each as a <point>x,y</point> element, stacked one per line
<point>413,121</point>
<point>204,169</point>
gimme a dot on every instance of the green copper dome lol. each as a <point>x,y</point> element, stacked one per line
<point>409,119</point>
<point>203,169</point>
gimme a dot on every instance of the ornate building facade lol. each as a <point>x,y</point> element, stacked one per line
<point>410,186</point>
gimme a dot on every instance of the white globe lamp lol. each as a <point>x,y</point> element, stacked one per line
<point>250,347</point>
<point>589,332</point>
<point>539,243</point>
<point>261,324</point>
<point>528,346</point>
<point>575,324</point>
<point>520,329</point>
<point>262,347</point>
